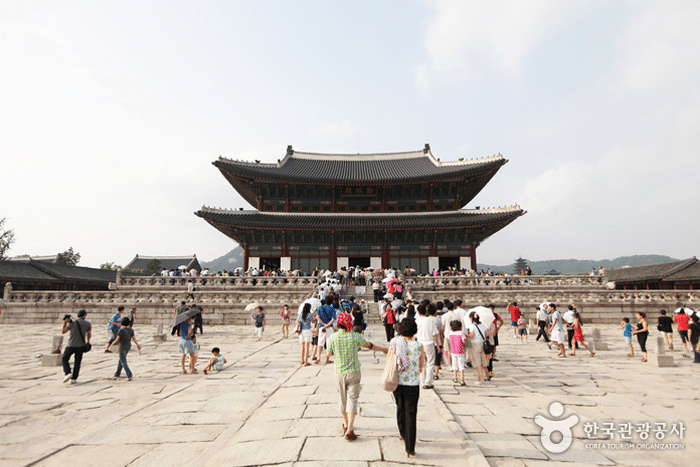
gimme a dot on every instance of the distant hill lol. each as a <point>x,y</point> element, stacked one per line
<point>234,259</point>
<point>227,262</point>
<point>582,266</point>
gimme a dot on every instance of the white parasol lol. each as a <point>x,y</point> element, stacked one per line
<point>396,303</point>
<point>485,315</point>
<point>251,306</point>
<point>688,311</point>
<point>315,304</point>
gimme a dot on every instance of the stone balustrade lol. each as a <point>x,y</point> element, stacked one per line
<point>204,283</point>
<point>462,282</point>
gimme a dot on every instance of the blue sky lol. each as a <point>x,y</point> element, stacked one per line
<point>113,112</point>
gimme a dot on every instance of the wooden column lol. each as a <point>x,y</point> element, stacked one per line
<point>473,256</point>
<point>245,258</point>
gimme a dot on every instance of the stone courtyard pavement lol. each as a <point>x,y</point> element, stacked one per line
<point>265,409</point>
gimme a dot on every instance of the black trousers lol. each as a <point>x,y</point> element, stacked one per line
<point>389,329</point>
<point>76,364</point>
<point>406,398</point>
<point>542,332</point>
<point>570,336</point>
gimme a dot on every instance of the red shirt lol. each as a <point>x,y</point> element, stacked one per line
<point>514,314</point>
<point>682,320</point>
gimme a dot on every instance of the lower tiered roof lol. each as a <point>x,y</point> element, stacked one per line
<point>488,221</point>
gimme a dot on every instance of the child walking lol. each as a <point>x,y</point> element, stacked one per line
<point>627,333</point>
<point>578,334</point>
<point>216,363</point>
<point>124,338</point>
<point>457,341</point>
<point>196,348</point>
<point>522,329</point>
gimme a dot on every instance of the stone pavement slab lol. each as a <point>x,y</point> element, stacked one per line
<point>265,409</point>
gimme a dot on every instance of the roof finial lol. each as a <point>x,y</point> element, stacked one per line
<point>290,151</point>
<point>426,149</point>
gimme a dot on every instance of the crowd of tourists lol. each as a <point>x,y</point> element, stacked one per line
<point>422,338</point>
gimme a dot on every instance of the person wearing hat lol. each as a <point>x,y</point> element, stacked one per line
<point>344,345</point>
<point>80,334</point>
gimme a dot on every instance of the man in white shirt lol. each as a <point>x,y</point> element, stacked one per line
<point>542,324</point>
<point>461,312</point>
<point>557,330</point>
<point>429,337</point>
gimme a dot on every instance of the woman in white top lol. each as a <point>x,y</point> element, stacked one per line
<point>477,333</point>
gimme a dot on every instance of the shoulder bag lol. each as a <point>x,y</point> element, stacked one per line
<point>390,375</point>
<point>86,347</point>
<point>488,348</point>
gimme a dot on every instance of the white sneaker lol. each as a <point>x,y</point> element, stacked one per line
<point>67,377</point>
<point>73,381</point>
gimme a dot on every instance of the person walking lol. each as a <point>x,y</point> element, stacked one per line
<point>80,334</point>
<point>326,317</point>
<point>694,331</point>
<point>557,330</point>
<point>682,320</point>
<point>113,326</point>
<point>344,345</point>
<point>478,334</point>
<point>286,319</point>
<point>542,325</point>
<point>428,336</point>
<point>186,346</point>
<point>124,338</point>
<point>306,334</point>
<point>389,319</point>
<point>665,326</point>
<point>626,328</point>
<point>577,326</point>
<point>410,360</point>
<point>642,333</point>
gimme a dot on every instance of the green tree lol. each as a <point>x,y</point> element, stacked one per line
<point>110,267</point>
<point>153,267</point>
<point>7,238</point>
<point>68,258</point>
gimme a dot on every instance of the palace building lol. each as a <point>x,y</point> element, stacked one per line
<point>371,210</point>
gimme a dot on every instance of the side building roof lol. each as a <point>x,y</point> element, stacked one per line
<point>42,271</point>
<point>167,262</point>
<point>675,270</point>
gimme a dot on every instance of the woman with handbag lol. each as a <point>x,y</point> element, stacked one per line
<point>477,334</point>
<point>409,361</point>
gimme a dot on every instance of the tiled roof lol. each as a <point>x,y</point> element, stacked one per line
<point>364,221</point>
<point>349,169</point>
<point>44,271</point>
<point>23,270</point>
<point>167,262</point>
<point>688,273</point>
<point>76,273</point>
<point>651,272</point>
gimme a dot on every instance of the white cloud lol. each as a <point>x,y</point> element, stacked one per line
<point>661,45</point>
<point>462,35</point>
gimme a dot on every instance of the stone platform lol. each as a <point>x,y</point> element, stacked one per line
<point>265,409</point>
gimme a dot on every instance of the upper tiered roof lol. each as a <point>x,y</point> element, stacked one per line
<point>358,169</point>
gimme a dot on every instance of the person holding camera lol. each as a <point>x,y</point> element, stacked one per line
<point>78,343</point>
